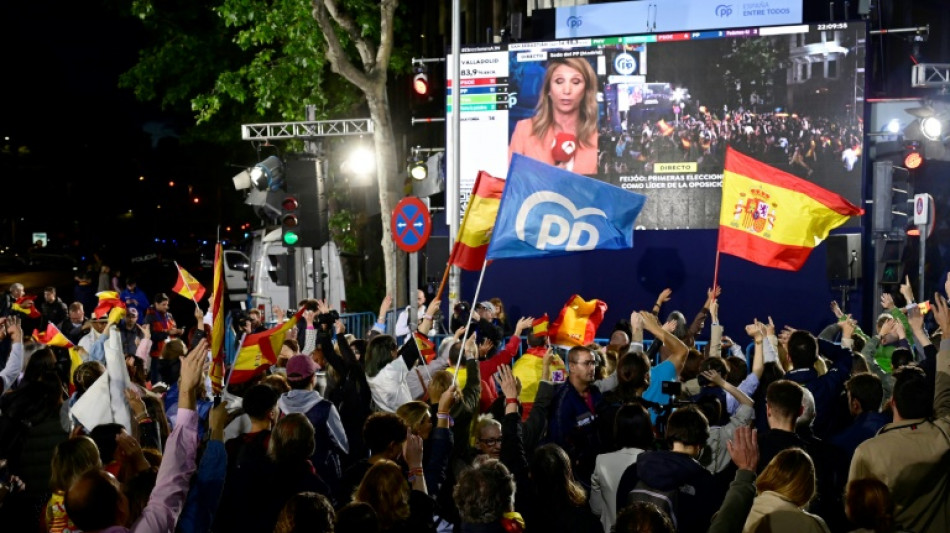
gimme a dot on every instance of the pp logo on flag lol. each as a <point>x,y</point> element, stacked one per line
<point>552,221</point>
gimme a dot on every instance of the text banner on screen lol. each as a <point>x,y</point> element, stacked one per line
<point>614,18</point>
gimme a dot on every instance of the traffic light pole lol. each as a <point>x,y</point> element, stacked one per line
<point>455,277</point>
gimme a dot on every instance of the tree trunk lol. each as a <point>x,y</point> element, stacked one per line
<point>388,177</point>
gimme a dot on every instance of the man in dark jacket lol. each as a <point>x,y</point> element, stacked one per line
<point>803,350</point>
<point>675,476</point>
<point>574,424</point>
<point>52,309</point>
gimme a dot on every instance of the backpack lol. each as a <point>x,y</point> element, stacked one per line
<point>666,500</point>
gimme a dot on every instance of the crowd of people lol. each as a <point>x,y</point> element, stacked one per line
<point>670,425</point>
<point>799,144</point>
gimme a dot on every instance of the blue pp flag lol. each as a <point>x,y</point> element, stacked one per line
<point>546,211</point>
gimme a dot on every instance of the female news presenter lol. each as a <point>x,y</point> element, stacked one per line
<point>563,130</point>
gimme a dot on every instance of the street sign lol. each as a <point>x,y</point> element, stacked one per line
<point>411,224</point>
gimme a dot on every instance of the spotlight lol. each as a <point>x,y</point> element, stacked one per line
<point>931,127</point>
<point>361,161</point>
<point>418,170</point>
<point>894,126</point>
<point>268,174</point>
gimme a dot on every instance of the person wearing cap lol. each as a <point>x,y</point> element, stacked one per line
<point>486,310</point>
<point>131,334</point>
<point>331,441</point>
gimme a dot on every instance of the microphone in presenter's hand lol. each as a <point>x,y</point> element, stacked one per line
<point>565,144</point>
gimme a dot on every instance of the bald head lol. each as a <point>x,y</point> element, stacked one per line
<point>95,502</point>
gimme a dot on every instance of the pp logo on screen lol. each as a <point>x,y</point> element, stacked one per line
<point>625,64</point>
<point>574,22</point>
<point>723,10</point>
<point>554,230</point>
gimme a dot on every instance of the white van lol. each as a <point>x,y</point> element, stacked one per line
<point>269,276</point>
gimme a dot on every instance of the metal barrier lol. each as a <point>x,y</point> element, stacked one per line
<point>358,324</point>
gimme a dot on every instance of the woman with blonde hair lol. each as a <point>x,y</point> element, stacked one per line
<point>563,130</point>
<point>783,490</point>
<point>71,459</point>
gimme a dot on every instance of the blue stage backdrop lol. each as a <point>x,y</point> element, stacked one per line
<point>682,260</point>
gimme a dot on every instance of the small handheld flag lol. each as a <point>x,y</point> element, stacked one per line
<point>187,285</point>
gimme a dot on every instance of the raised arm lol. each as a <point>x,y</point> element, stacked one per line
<point>740,396</point>
<point>663,297</point>
<point>715,331</point>
<point>756,330</point>
<point>677,349</point>
<point>425,322</point>
<point>942,389</point>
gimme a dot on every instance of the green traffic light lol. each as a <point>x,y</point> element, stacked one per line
<point>291,238</point>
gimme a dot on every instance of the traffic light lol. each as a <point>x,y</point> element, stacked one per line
<point>289,221</point>
<point>913,158</point>
<point>420,79</point>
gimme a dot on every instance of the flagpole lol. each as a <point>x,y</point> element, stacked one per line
<point>716,272</point>
<point>471,313</point>
<point>445,277</point>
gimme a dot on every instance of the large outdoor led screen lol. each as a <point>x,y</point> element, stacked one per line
<point>660,109</point>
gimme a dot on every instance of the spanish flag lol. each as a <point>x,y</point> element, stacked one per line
<point>477,224</point>
<point>578,322</point>
<point>218,291</point>
<point>539,326</point>
<point>426,347</point>
<point>187,285</point>
<point>259,350</point>
<point>110,307</point>
<point>51,337</point>
<point>29,310</point>
<point>665,129</point>
<point>773,218</point>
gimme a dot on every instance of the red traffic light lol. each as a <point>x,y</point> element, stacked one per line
<point>420,84</point>
<point>289,204</point>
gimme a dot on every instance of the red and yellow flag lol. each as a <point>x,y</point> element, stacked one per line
<point>259,350</point>
<point>51,337</point>
<point>539,326</point>
<point>426,346</point>
<point>773,218</point>
<point>25,305</point>
<point>110,307</point>
<point>665,129</point>
<point>218,293</point>
<point>477,224</point>
<point>578,322</point>
<point>187,285</point>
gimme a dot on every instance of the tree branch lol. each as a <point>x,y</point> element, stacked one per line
<point>387,8</point>
<point>363,46</point>
<point>335,53</point>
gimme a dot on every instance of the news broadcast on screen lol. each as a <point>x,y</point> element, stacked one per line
<point>655,112</point>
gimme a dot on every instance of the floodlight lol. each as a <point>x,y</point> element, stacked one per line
<point>242,181</point>
<point>268,174</point>
<point>931,127</point>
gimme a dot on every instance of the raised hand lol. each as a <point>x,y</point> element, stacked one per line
<point>836,310</point>
<point>339,327</point>
<point>523,323</point>
<point>712,295</point>
<point>907,291</point>
<point>651,324</point>
<point>887,301</point>
<point>508,382</point>
<point>714,377</point>
<point>941,312</point>
<point>385,305</point>
<point>412,450</point>
<point>847,328</point>
<point>669,326</point>
<point>448,398</point>
<point>664,296</point>
<point>322,307</point>
<point>744,448</point>
<point>915,318</point>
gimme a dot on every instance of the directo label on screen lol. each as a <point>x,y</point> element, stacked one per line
<point>625,64</point>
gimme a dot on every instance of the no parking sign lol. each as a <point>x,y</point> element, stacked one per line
<point>410,224</point>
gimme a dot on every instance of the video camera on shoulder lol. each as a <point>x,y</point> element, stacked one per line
<point>328,319</point>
